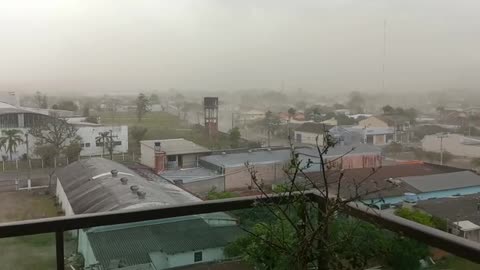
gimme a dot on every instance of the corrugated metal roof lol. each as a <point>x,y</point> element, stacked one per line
<point>277,156</point>
<point>436,182</point>
<point>453,208</point>
<point>106,193</point>
<point>177,146</point>
<point>132,245</point>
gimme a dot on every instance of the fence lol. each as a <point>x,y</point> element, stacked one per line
<point>58,225</point>
<point>58,162</point>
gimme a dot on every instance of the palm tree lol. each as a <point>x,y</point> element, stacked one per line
<point>10,140</point>
<point>103,138</point>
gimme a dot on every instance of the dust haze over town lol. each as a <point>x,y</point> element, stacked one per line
<point>181,97</point>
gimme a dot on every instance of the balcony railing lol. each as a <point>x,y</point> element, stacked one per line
<point>453,244</point>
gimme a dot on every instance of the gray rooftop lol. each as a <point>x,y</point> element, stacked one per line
<point>254,157</point>
<point>177,146</point>
<point>90,188</point>
<point>340,150</point>
<point>189,175</point>
<point>134,244</point>
<point>265,156</point>
<point>453,208</point>
<point>445,181</point>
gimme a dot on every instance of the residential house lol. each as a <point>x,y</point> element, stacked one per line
<point>307,133</point>
<point>346,135</point>
<point>400,124</point>
<point>392,185</point>
<point>171,154</point>
<point>100,185</point>
<point>456,144</point>
<point>460,212</point>
<point>269,165</point>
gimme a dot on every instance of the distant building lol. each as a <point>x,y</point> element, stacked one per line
<point>307,133</point>
<point>345,135</point>
<point>100,185</point>
<point>228,170</point>
<point>400,124</point>
<point>392,185</point>
<point>171,154</point>
<point>456,144</point>
<point>23,119</point>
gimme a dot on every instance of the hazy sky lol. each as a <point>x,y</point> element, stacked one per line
<point>95,45</point>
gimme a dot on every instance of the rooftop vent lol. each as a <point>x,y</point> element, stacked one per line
<point>134,188</point>
<point>124,180</point>
<point>114,173</point>
<point>141,194</point>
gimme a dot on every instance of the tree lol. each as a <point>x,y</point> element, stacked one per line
<point>47,152</point>
<point>271,123</point>
<point>86,110</point>
<point>41,100</point>
<point>67,105</point>
<point>356,102</point>
<point>234,137</point>
<point>72,151</point>
<point>342,119</point>
<point>422,218</point>
<point>92,119</point>
<point>154,99</point>
<point>213,194</point>
<point>291,113</point>
<point>10,140</point>
<point>387,109</point>
<point>138,133</point>
<point>143,106</point>
<point>54,131</point>
<point>300,233</point>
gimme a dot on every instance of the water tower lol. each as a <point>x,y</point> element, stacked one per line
<point>210,112</point>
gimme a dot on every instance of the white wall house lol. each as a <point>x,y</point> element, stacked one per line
<point>456,144</point>
<point>91,147</point>
<point>171,154</point>
<point>307,133</point>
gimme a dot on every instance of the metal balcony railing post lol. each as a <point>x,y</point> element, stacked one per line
<point>59,250</point>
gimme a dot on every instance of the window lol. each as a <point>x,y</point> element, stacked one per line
<point>117,143</point>
<point>198,256</point>
<point>82,145</point>
<point>172,158</point>
<point>87,144</point>
<point>99,144</point>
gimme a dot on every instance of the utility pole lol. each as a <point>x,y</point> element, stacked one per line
<point>110,149</point>
<point>441,136</point>
<point>28,158</point>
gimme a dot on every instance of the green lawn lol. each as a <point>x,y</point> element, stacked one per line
<point>27,252</point>
<point>455,263</point>
<point>162,125</point>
